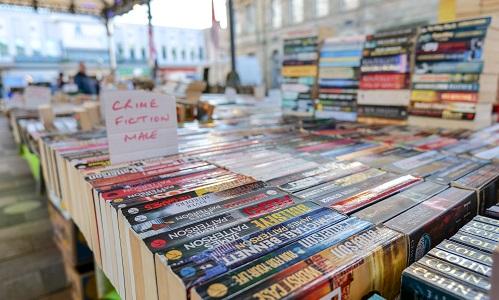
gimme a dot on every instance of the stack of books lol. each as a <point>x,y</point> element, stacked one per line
<point>455,78</point>
<point>299,72</point>
<point>385,76</point>
<point>457,268</point>
<point>339,65</point>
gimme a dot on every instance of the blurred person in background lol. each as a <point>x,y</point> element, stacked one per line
<point>60,81</point>
<point>86,85</point>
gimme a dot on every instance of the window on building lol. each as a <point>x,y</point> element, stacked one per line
<point>201,53</point>
<point>174,54</point>
<point>20,48</point>
<point>349,4</point>
<point>120,50</point>
<point>249,18</point>
<point>193,55</point>
<point>143,52</point>
<point>4,49</point>
<point>164,53</point>
<point>78,29</point>
<point>321,8</point>
<point>276,13</point>
<point>182,53</point>
<point>237,22</point>
<point>132,54</point>
<point>296,11</point>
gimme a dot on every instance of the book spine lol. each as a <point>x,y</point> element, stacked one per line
<point>474,241</point>
<point>356,202</point>
<point>448,67</point>
<point>466,252</point>
<point>494,237</point>
<point>383,61</point>
<point>343,169</point>
<point>487,220</point>
<point>451,36</point>
<point>459,87</point>
<point>442,47</point>
<point>454,272</point>
<point>458,97</point>
<point>341,53</point>
<point>392,33</point>
<point>455,172</point>
<point>234,282</point>
<point>298,62</point>
<point>441,114</point>
<point>328,187</point>
<point>385,51</point>
<point>382,85</point>
<point>461,261</point>
<point>403,67</point>
<point>391,112</point>
<point>461,56</point>
<point>473,23</point>
<point>337,97</point>
<point>453,78</point>
<point>418,282</point>
<point>403,40</point>
<point>341,83</point>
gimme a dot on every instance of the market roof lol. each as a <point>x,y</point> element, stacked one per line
<point>102,8</point>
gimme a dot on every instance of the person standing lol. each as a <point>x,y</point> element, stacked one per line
<point>86,84</point>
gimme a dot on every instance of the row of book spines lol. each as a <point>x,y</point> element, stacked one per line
<point>271,269</point>
<point>460,267</point>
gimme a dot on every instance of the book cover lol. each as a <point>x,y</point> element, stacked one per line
<point>434,220</point>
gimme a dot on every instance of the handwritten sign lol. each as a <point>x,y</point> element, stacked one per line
<point>139,124</point>
<point>35,96</point>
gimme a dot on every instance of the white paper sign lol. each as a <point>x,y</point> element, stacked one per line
<point>35,96</point>
<point>140,124</point>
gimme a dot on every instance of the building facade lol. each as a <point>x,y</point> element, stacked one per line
<point>261,25</point>
<point>38,45</point>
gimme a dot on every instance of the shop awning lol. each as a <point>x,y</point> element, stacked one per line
<point>102,8</point>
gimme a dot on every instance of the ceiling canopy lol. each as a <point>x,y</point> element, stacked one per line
<point>102,8</point>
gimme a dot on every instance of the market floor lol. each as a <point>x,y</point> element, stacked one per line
<point>31,266</point>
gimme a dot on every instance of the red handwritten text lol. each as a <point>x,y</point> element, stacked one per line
<point>141,136</point>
